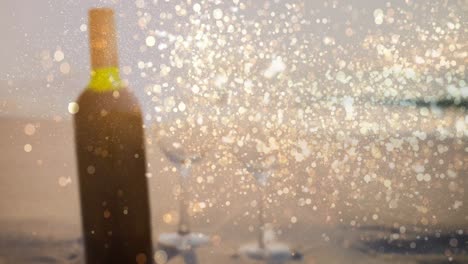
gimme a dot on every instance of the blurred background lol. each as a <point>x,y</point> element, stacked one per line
<point>371,96</point>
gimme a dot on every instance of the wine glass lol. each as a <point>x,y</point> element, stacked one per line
<point>258,150</point>
<point>185,134</point>
<point>265,144</point>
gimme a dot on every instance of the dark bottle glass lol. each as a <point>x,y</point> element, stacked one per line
<point>111,157</point>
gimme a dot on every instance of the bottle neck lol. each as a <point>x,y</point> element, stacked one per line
<point>103,48</point>
<point>105,79</point>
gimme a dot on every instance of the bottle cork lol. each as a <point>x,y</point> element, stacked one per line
<point>102,38</point>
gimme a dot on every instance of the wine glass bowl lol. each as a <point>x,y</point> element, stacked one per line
<point>186,139</point>
<point>257,149</point>
<point>185,135</point>
<point>179,148</point>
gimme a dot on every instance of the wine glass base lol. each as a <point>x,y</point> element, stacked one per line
<point>275,252</point>
<point>183,242</point>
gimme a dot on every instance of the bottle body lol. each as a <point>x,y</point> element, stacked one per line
<point>112,177</point>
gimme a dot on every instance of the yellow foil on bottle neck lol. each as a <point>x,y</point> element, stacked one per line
<point>105,79</point>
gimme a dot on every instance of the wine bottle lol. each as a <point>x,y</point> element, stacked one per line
<point>111,157</point>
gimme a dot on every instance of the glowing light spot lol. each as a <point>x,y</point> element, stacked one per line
<point>253,203</point>
<point>457,204</point>
<point>29,129</point>
<point>378,16</point>
<point>65,68</point>
<point>427,177</point>
<point>387,183</point>
<point>195,89</point>
<point>378,20</point>
<point>453,242</point>
<point>140,3</point>
<point>276,66</point>
<point>150,41</point>
<point>181,106</point>
<point>367,178</point>
<point>83,27</point>
<point>293,219</point>
<point>197,8</point>
<point>419,177</point>
<point>162,46</point>
<point>64,181</point>
<point>27,148</point>
<point>59,56</point>
<point>91,169</point>
<point>73,108</point>
<point>160,257</point>
<point>218,14</point>
<point>341,77</point>
<point>141,258</point>
<point>378,12</point>
<point>107,214</point>
<point>168,218</point>
<point>402,229</point>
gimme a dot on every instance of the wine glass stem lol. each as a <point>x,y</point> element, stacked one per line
<point>184,225</point>
<point>261,216</point>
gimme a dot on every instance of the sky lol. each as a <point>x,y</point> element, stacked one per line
<point>34,31</point>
